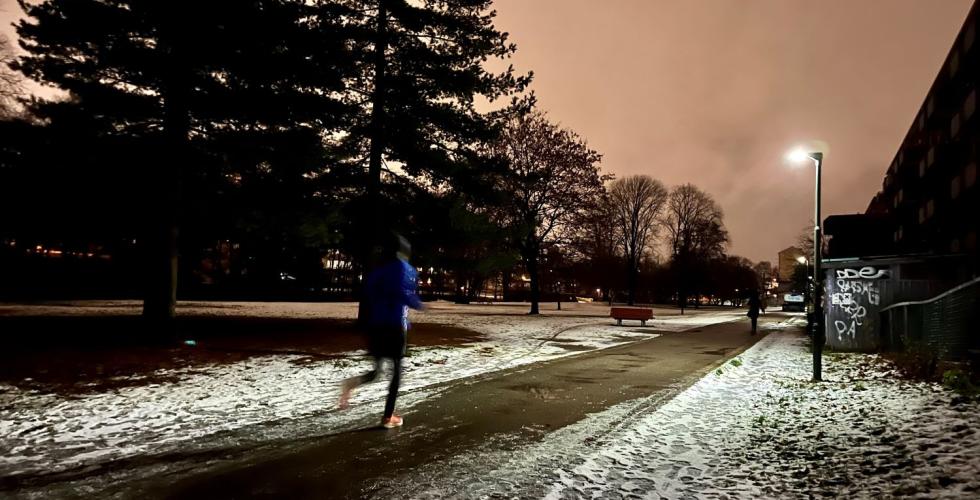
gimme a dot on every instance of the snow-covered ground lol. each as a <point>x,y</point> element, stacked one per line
<point>50,433</point>
<point>756,428</point>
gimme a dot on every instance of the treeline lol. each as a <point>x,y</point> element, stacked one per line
<point>643,242</point>
<point>241,145</point>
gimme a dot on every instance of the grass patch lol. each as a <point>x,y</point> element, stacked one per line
<point>959,381</point>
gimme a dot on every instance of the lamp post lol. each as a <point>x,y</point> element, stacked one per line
<point>807,293</point>
<point>819,335</point>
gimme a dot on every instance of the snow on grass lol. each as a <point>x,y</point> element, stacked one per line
<point>755,429</point>
<point>45,433</point>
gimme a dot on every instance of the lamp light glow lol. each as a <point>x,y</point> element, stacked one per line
<point>797,156</point>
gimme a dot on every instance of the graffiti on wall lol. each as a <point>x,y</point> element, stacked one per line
<point>856,291</point>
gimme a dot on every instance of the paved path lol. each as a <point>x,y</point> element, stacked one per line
<point>548,395</point>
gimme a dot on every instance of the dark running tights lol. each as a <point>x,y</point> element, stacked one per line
<point>396,377</point>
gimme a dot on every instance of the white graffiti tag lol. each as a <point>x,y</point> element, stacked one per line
<point>841,298</point>
<point>856,289</point>
<point>855,313</point>
<point>865,273</point>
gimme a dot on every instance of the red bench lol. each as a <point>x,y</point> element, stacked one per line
<point>638,313</point>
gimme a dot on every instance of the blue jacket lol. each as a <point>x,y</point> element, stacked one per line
<point>390,292</point>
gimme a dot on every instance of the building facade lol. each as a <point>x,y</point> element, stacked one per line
<point>929,191</point>
<point>788,260</point>
<point>918,236</point>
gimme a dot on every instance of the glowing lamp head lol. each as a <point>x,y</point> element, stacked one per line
<point>801,259</point>
<point>797,156</point>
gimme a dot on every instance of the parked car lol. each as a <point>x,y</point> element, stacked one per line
<point>794,302</point>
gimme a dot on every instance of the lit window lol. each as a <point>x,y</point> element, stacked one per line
<point>968,36</point>
<point>931,156</point>
<point>922,214</point>
<point>930,208</point>
<point>970,175</point>
<point>954,187</point>
<point>931,105</point>
<point>954,63</point>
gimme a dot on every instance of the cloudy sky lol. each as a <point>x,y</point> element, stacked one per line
<point>713,92</point>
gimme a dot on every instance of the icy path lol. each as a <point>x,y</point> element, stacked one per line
<point>756,430</point>
<point>48,433</point>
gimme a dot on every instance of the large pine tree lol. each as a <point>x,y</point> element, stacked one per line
<point>189,83</point>
<point>421,72</point>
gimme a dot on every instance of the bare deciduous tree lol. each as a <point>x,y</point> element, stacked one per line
<point>805,241</point>
<point>764,270</point>
<point>637,205</point>
<point>694,225</point>
<point>694,222</point>
<point>11,82</point>
<point>552,176</point>
<point>596,246</point>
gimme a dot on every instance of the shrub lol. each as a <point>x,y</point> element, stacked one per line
<point>959,381</point>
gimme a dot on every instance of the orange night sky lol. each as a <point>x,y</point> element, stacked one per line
<point>713,92</point>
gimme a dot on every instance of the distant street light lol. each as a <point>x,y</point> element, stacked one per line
<point>807,290</point>
<point>798,156</point>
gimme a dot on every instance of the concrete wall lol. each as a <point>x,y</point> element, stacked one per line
<point>855,294</point>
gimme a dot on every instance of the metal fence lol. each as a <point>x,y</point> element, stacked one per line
<point>945,325</point>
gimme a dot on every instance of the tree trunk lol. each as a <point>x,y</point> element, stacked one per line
<point>531,262</point>
<point>160,294</point>
<point>161,247</point>
<point>631,282</point>
<point>369,256</point>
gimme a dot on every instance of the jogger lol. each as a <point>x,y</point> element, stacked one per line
<point>390,291</point>
<point>755,304</point>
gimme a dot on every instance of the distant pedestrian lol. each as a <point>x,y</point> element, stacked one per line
<point>389,292</point>
<point>755,305</point>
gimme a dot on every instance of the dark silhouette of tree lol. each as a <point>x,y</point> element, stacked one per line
<point>181,78</point>
<point>552,177</point>
<point>637,205</point>
<point>765,271</point>
<point>800,281</point>
<point>594,246</point>
<point>11,82</point>
<point>420,69</point>
<point>804,240</point>
<point>693,222</point>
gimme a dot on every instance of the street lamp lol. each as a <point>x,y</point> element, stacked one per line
<point>807,292</point>
<point>798,156</point>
